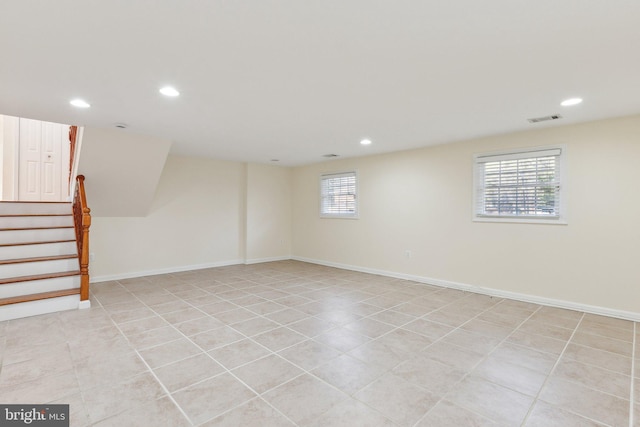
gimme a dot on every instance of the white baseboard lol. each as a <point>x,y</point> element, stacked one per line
<point>271,259</point>
<point>132,275</point>
<point>178,269</point>
<point>551,302</point>
<point>35,308</point>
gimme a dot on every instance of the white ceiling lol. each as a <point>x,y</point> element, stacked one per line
<point>296,79</point>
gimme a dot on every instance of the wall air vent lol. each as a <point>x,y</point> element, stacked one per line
<point>330,155</point>
<point>545,118</point>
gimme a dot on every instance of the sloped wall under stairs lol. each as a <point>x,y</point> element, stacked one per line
<point>122,169</point>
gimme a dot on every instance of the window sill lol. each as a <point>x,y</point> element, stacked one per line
<point>522,220</point>
<point>339,217</point>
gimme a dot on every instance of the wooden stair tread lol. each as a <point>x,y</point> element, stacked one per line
<point>33,214</point>
<point>40,296</point>
<point>33,202</point>
<point>37,243</point>
<point>21,279</point>
<point>36,259</point>
<point>54,227</point>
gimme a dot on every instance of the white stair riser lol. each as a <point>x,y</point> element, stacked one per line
<point>39,267</point>
<point>44,217</point>
<point>36,221</point>
<point>17,208</point>
<point>24,236</point>
<point>32,251</point>
<point>38,286</point>
<point>34,308</point>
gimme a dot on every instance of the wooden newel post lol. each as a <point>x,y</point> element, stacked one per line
<point>84,259</point>
<point>82,216</point>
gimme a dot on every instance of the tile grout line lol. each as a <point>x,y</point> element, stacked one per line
<point>286,326</point>
<point>555,365</point>
<point>277,354</point>
<point>481,360</point>
<point>144,361</point>
<point>75,371</point>
<point>396,327</point>
<point>303,370</point>
<point>3,345</point>
<point>634,352</point>
<point>272,353</point>
<point>225,369</point>
<point>184,414</point>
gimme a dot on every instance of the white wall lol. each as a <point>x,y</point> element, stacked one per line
<point>122,168</point>
<point>268,213</point>
<point>205,213</point>
<point>194,221</point>
<point>1,155</point>
<point>421,201</point>
<point>9,135</point>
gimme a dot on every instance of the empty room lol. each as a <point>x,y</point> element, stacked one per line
<point>286,213</point>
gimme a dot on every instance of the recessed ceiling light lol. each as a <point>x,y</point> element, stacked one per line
<point>169,91</point>
<point>571,101</point>
<point>365,142</point>
<point>80,103</point>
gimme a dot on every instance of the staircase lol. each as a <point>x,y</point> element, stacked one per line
<point>39,262</point>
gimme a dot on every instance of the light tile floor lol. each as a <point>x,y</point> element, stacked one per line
<point>295,344</point>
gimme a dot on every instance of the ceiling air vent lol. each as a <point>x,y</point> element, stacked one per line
<point>545,118</point>
<point>330,155</point>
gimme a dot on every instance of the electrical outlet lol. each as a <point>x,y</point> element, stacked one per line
<point>408,254</point>
<point>92,256</point>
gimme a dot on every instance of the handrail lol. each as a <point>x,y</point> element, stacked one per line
<point>73,135</point>
<point>82,220</point>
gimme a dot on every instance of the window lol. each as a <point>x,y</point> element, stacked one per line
<point>338,195</point>
<point>522,186</point>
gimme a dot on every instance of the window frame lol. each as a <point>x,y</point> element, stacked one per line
<point>561,219</point>
<point>327,175</point>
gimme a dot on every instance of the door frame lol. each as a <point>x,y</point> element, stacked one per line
<point>11,146</point>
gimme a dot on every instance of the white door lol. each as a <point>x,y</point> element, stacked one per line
<point>44,161</point>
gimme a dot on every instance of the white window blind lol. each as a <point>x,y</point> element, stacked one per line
<point>524,184</point>
<point>338,195</point>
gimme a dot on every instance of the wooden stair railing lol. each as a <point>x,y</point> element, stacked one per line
<point>73,136</point>
<point>82,219</point>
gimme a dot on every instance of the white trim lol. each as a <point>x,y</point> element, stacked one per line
<point>83,305</point>
<point>269,259</point>
<point>634,361</point>
<point>134,274</point>
<point>559,149</point>
<point>38,307</point>
<point>356,214</point>
<point>518,154</point>
<point>522,220</point>
<point>551,302</point>
<point>16,160</point>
